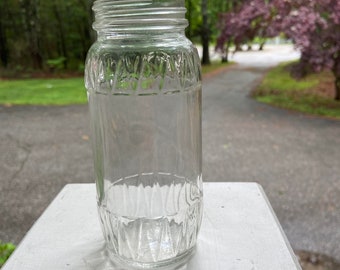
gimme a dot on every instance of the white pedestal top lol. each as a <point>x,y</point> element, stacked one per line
<point>239,232</point>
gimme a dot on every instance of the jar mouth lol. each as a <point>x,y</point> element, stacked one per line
<point>120,16</point>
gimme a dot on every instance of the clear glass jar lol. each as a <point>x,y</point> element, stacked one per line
<point>143,80</point>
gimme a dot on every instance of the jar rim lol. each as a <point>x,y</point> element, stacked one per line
<point>139,16</point>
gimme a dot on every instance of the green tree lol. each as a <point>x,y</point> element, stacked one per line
<point>30,14</point>
<point>203,17</point>
<point>205,33</point>
<point>34,31</point>
<point>3,33</point>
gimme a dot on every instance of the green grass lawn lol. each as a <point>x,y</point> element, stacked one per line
<point>54,91</point>
<point>278,88</point>
<point>6,250</point>
<point>43,91</point>
<point>214,67</point>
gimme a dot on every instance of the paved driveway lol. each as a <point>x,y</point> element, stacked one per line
<point>294,157</point>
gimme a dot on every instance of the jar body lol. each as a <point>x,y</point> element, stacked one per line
<point>144,98</point>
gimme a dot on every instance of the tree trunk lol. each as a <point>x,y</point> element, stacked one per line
<point>3,37</point>
<point>189,17</point>
<point>61,31</point>
<point>336,73</point>
<point>262,45</point>
<point>238,47</point>
<point>337,88</point>
<point>225,57</point>
<point>31,22</point>
<point>205,34</point>
<point>3,46</point>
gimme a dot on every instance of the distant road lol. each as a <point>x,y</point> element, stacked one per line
<point>270,56</point>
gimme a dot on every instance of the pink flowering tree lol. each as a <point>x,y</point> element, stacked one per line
<point>246,22</point>
<point>312,25</point>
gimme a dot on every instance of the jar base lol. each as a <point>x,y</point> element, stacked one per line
<point>169,264</point>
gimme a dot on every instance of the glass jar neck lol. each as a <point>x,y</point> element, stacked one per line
<point>131,18</point>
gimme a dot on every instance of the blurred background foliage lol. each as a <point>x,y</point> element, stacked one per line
<point>44,35</point>
<point>52,36</point>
